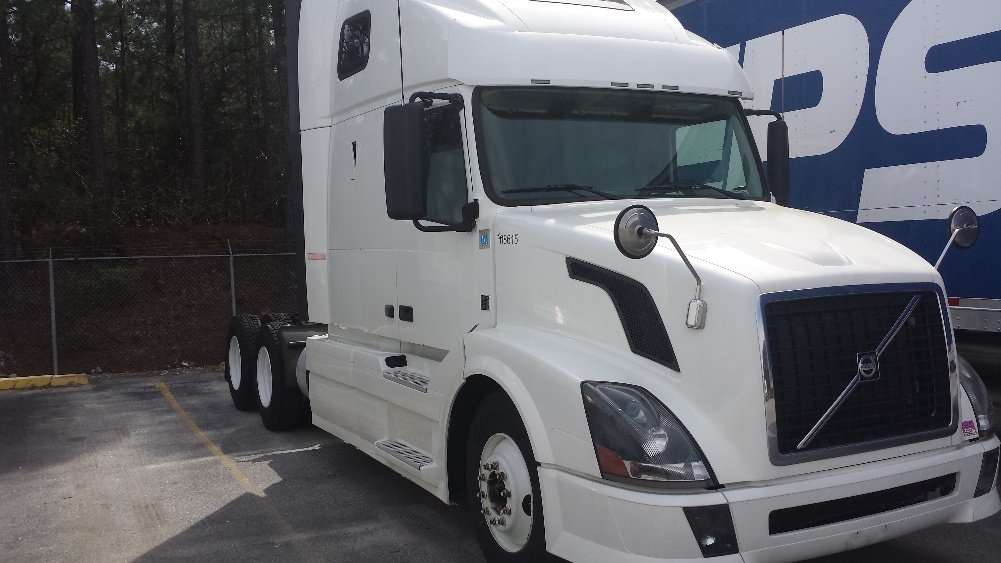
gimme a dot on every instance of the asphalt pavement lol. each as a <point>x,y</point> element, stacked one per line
<point>111,472</point>
<point>157,469</point>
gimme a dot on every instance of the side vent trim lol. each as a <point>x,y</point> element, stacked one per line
<point>638,313</point>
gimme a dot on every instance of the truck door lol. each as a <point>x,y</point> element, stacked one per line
<point>362,240</point>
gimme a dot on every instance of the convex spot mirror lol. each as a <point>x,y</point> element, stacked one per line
<point>964,227</point>
<point>628,226</point>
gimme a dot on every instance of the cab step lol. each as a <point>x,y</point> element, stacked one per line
<point>407,454</point>
<point>409,379</point>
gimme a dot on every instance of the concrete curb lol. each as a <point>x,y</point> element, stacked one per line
<point>37,381</point>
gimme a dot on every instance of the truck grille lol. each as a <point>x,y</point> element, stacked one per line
<point>813,346</point>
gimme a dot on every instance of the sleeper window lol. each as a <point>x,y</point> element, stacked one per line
<point>354,46</point>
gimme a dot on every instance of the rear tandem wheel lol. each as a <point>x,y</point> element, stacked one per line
<point>241,360</point>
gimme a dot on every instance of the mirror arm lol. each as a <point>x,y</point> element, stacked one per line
<point>767,112</point>
<point>470,213</point>
<point>427,98</point>
<point>434,228</point>
<point>946,249</point>
<point>641,231</point>
<point>696,316</point>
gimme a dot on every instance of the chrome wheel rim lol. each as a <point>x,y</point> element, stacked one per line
<point>235,365</point>
<point>505,492</point>
<point>264,379</point>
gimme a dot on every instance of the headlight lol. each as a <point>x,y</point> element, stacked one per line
<point>636,438</point>
<point>979,396</point>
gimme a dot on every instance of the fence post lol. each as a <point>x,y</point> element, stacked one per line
<point>232,278</point>
<point>52,316</point>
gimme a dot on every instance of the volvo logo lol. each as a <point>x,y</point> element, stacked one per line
<point>868,366</point>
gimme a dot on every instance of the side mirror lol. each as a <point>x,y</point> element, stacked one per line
<point>633,235</point>
<point>403,161</point>
<point>964,227</point>
<point>636,233</point>
<point>778,155</point>
<point>778,161</point>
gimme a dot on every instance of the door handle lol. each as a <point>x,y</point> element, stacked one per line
<point>406,313</point>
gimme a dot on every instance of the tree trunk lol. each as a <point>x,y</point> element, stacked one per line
<point>76,63</point>
<point>100,187</point>
<point>266,181</point>
<point>278,21</point>
<point>166,140</point>
<point>6,98</point>
<point>121,69</point>
<point>281,157</point>
<point>169,40</point>
<point>196,112</point>
<point>251,179</point>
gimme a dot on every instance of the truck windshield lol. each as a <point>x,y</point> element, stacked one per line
<point>549,145</point>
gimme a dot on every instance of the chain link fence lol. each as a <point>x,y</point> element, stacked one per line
<point>139,313</point>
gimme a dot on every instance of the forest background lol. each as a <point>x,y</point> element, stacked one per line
<point>126,122</point>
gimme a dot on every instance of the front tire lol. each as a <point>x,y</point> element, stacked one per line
<point>280,407</point>
<point>502,486</point>
<point>241,361</point>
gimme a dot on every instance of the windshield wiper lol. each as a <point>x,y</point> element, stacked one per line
<point>686,187</point>
<point>562,188</point>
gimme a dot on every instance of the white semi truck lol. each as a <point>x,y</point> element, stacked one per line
<point>545,278</point>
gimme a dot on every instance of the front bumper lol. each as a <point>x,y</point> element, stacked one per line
<point>593,521</point>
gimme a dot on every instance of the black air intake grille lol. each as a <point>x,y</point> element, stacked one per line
<point>638,313</point>
<point>842,510</point>
<point>813,346</point>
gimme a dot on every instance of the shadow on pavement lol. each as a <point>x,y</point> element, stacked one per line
<point>332,503</point>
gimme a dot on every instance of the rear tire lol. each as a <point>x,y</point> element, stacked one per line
<point>281,407</point>
<point>241,360</point>
<point>501,467</point>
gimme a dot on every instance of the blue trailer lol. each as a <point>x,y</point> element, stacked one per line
<point>893,114</point>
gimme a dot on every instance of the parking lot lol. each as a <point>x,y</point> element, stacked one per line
<point>165,469</point>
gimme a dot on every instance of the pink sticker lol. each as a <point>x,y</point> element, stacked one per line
<point>970,429</point>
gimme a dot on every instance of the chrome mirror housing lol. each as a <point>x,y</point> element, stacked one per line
<point>632,231</point>
<point>964,226</point>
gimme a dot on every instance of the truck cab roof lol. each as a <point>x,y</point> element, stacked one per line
<point>635,44</point>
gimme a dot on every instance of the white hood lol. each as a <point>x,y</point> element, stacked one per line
<point>777,248</point>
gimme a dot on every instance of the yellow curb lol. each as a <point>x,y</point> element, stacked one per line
<point>35,381</point>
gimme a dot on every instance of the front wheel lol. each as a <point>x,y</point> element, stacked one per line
<point>502,485</point>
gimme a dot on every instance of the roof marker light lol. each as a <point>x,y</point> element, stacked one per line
<point>539,81</point>
<point>666,87</point>
<point>620,84</point>
<point>644,85</point>
<point>736,93</point>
